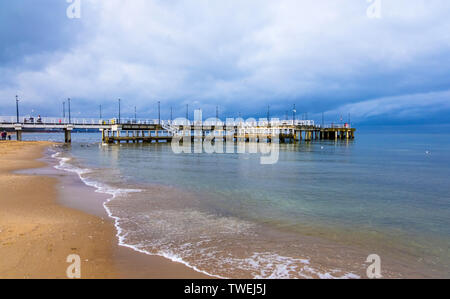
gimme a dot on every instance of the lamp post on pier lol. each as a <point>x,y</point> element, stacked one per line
<point>217,114</point>
<point>159,113</point>
<point>119,114</point>
<point>68,102</point>
<point>17,108</point>
<point>294,111</point>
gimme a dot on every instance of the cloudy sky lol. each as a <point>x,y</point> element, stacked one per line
<point>243,55</point>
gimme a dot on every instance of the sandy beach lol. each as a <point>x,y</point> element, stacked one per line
<point>37,232</point>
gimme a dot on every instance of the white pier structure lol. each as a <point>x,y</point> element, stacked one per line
<point>134,130</point>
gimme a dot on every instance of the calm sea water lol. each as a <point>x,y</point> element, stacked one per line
<point>319,212</point>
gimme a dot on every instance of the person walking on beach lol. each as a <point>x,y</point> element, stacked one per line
<point>4,135</point>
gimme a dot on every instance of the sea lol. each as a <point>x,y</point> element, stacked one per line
<point>326,209</point>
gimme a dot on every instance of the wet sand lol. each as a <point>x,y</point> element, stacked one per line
<point>40,225</point>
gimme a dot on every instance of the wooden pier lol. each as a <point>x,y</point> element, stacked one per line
<point>157,131</point>
<point>285,133</point>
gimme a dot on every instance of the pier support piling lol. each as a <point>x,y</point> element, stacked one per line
<point>18,128</point>
<point>67,136</point>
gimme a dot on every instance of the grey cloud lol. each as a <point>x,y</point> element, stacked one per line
<point>243,55</point>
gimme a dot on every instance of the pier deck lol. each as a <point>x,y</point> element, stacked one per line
<point>165,131</point>
<point>234,133</point>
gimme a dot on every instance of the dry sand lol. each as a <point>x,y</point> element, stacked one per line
<point>37,233</point>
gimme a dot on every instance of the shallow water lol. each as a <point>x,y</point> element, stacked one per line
<point>319,212</point>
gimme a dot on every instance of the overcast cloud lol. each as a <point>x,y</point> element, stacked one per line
<point>324,56</point>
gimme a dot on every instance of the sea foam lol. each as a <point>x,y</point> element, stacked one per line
<point>261,265</point>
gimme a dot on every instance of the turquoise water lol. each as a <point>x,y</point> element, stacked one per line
<point>318,212</point>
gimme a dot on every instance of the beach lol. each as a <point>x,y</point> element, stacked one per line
<point>38,233</point>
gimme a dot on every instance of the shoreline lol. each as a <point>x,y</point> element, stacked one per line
<point>69,210</point>
<point>345,258</point>
<point>38,230</point>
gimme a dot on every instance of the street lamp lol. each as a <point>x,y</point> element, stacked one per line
<point>68,101</point>
<point>159,113</point>
<point>17,108</point>
<point>119,113</point>
<point>294,111</point>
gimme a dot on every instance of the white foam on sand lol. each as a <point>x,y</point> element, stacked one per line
<point>115,192</point>
<point>265,265</point>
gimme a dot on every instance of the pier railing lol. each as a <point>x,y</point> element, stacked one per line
<point>336,126</point>
<point>141,129</point>
<point>77,121</point>
<point>165,123</point>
